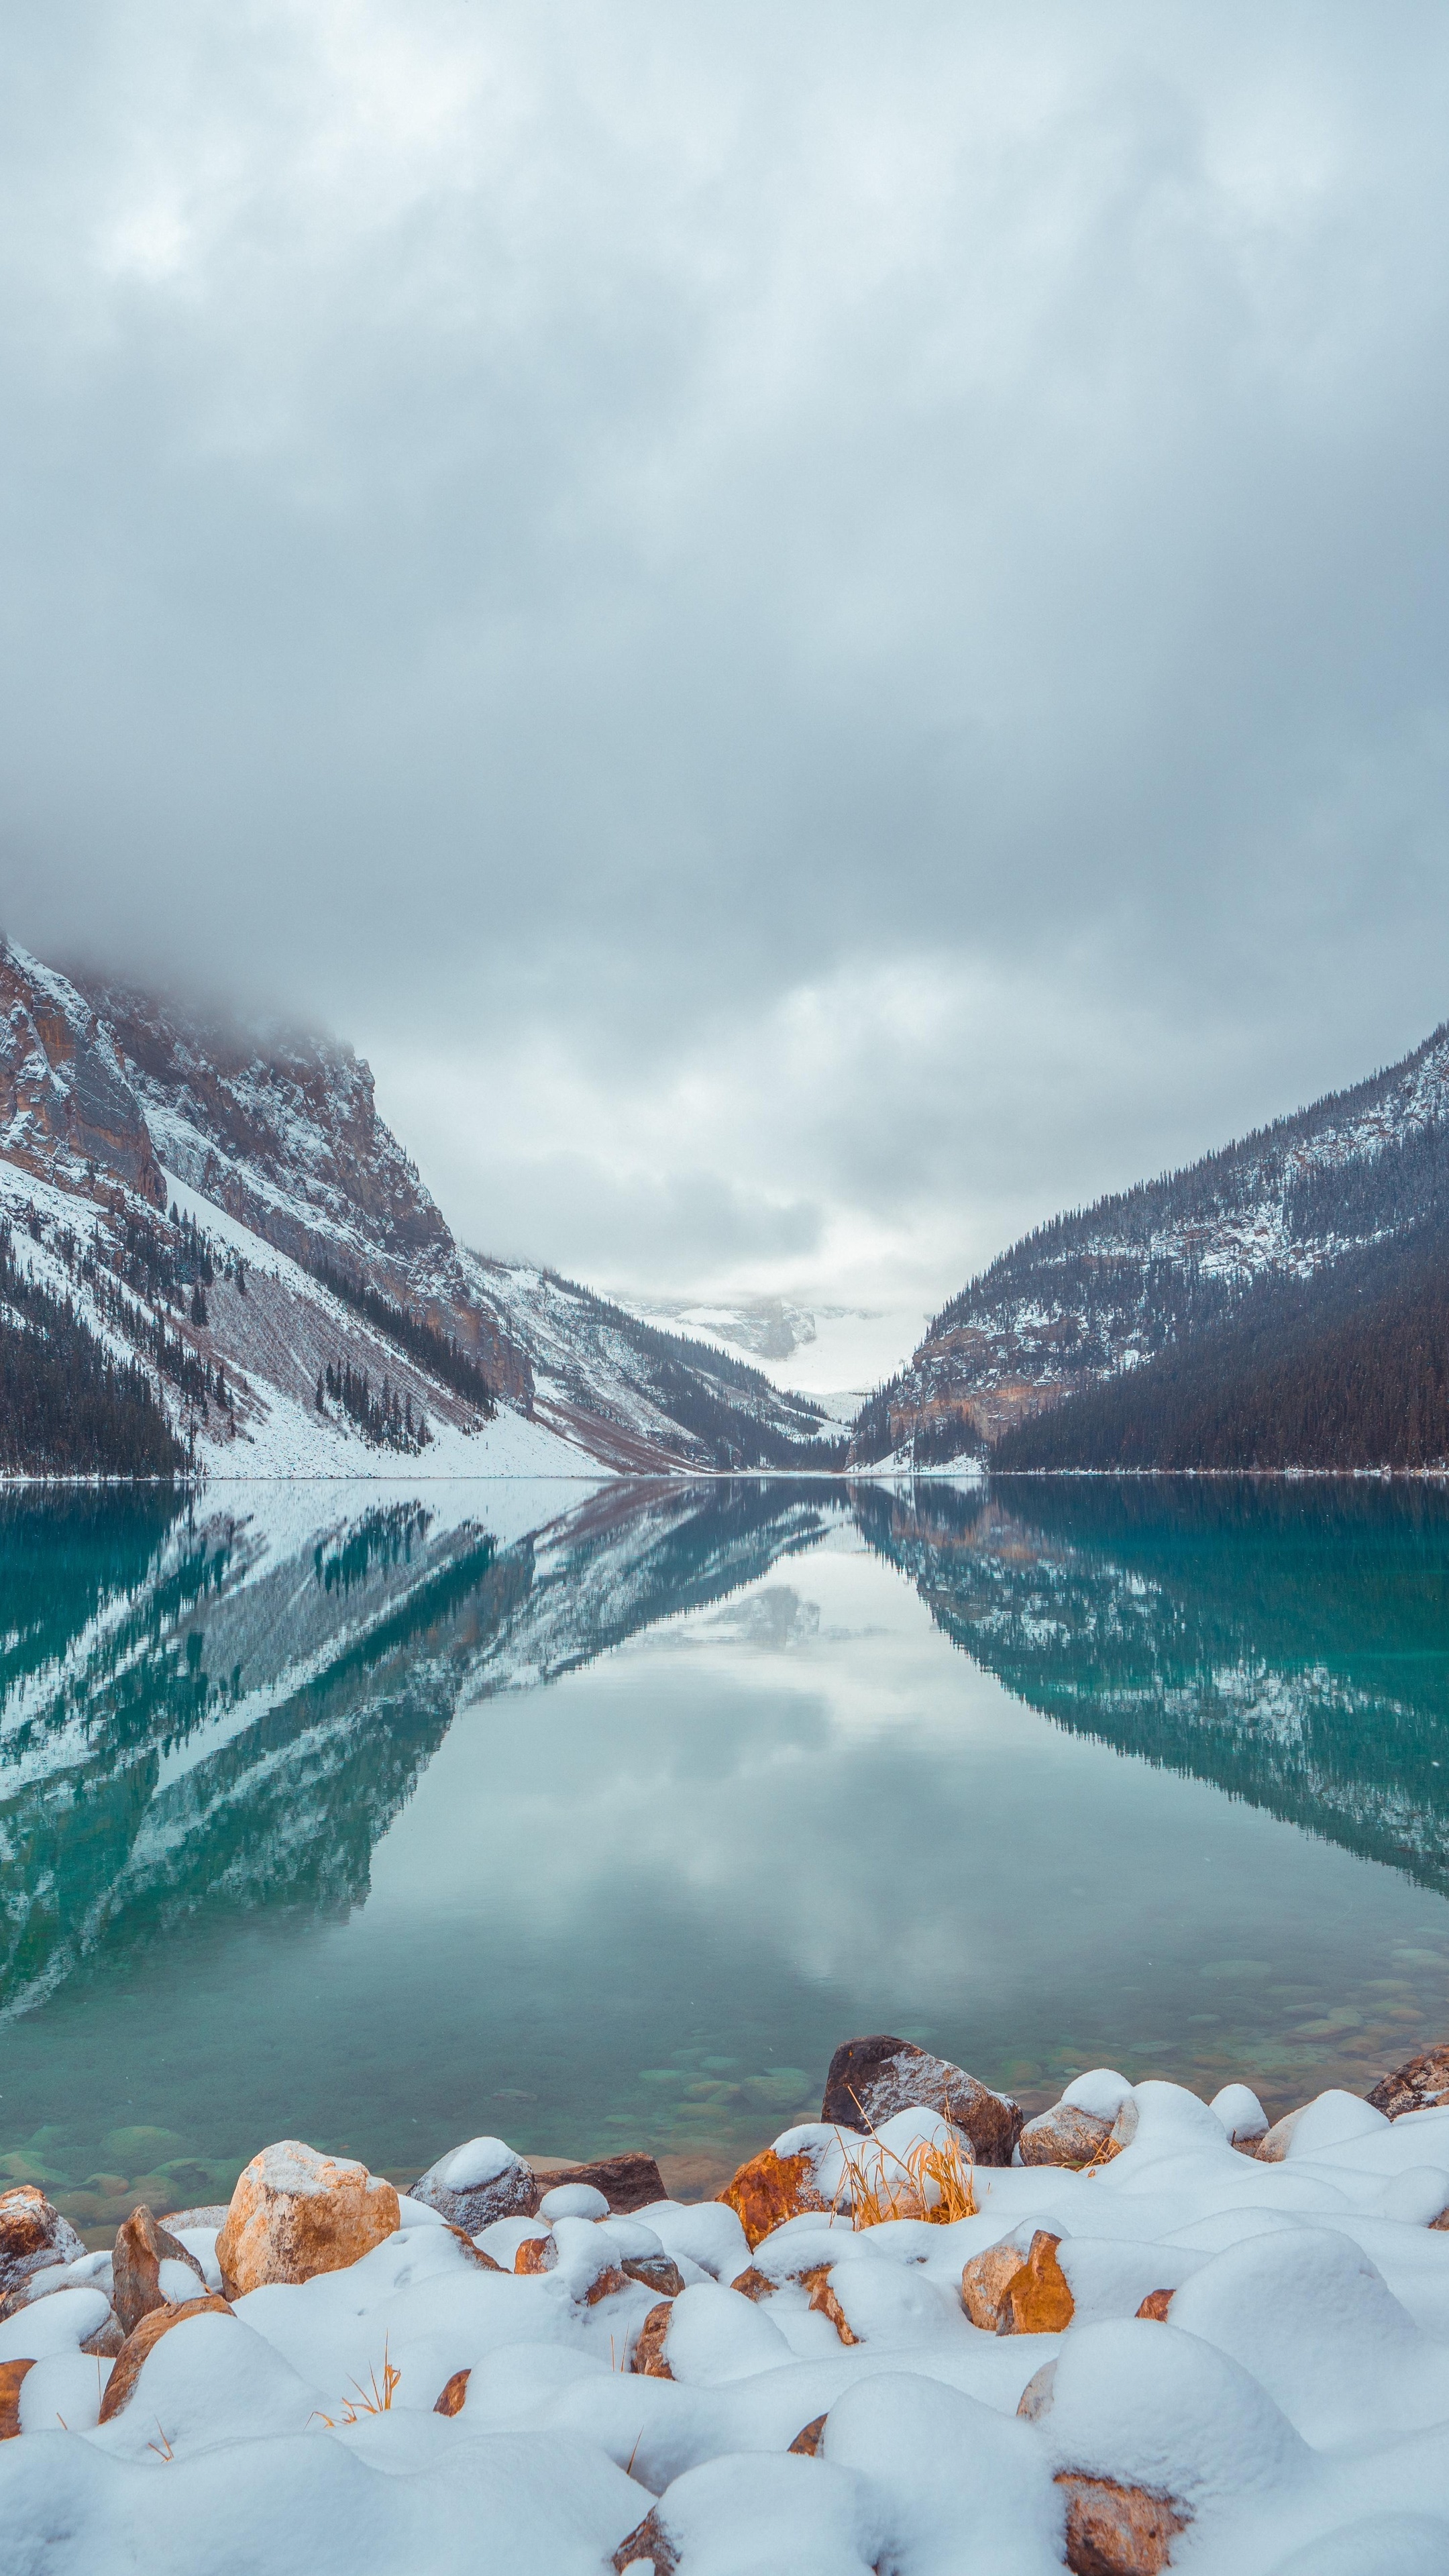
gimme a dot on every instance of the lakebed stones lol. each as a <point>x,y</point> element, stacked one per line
<point>295,2213</point>
<point>150,2269</point>
<point>121,2386</point>
<point>1115,2530</point>
<point>454,2395</point>
<point>32,2235</point>
<point>474,2184</point>
<point>1421,2085</point>
<point>871,2079</point>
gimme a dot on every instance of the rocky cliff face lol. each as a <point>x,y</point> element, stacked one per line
<point>1093,1293</point>
<point>283,1133</point>
<point>67,1112</point>
<point>227,1207</point>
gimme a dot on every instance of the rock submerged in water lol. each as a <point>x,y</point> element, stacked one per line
<point>295,2213</point>
<point>871,2079</point>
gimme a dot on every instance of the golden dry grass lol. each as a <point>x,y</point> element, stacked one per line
<point>936,2183</point>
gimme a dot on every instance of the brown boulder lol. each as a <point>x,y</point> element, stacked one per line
<point>120,2387</point>
<point>648,2354</point>
<point>295,2213</point>
<point>1065,2135</point>
<point>107,2340</point>
<point>1421,2085</point>
<point>1155,2306</point>
<point>1114,2530</point>
<point>536,2254</point>
<point>806,2444</point>
<point>627,2182</point>
<point>142,2246</point>
<point>32,2235</point>
<point>657,2272</point>
<point>647,2541</point>
<point>454,2394</point>
<point>11,2375</point>
<point>770,2189</point>
<point>754,2284</point>
<point>871,2079</point>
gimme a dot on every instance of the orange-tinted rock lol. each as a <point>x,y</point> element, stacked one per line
<point>11,2375</point>
<point>142,2246</point>
<point>871,2079</point>
<point>1156,2305</point>
<point>33,2235</point>
<point>648,2356</point>
<point>1114,2530</point>
<point>536,2254</point>
<point>295,2213</point>
<point>754,2284</point>
<point>807,2442</point>
<point>1040,2298</point>
<point>475,2253</point>
<point>647,2541</point>
<point>604,2284</point>
<point>770,2189</point>
<point>1066,2135</point>
<point>985,2281</point>
<point>134,2352</point>
<point>825,2303</point>
<point>452,2398</point>
<point>1421,2085</point>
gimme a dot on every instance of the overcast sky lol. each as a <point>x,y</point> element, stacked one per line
<point>822,628</point>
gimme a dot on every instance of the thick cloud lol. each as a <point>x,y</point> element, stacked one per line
<point>821,628</point>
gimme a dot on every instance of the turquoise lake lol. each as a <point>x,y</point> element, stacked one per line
<point>382,1816</point>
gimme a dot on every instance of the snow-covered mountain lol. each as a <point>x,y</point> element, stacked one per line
<point>1102,1289</point>
<point>226,1208</point>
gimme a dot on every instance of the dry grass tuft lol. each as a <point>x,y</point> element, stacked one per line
<point>371,2400</point>
<point>936,2183</point>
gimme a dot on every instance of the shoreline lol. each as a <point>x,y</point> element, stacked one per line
<point>916,2334</point>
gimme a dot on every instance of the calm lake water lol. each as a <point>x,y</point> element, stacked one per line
<point>381,1817</point>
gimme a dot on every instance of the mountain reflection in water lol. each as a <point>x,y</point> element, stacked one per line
<point>641,1907</point>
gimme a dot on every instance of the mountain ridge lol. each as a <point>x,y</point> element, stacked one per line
<point>232,1214</point>
<point>1095,1292</point>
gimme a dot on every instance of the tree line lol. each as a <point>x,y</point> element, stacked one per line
<point>68,1406</point>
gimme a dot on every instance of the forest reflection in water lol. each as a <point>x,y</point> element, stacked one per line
<point>384,1816</point>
